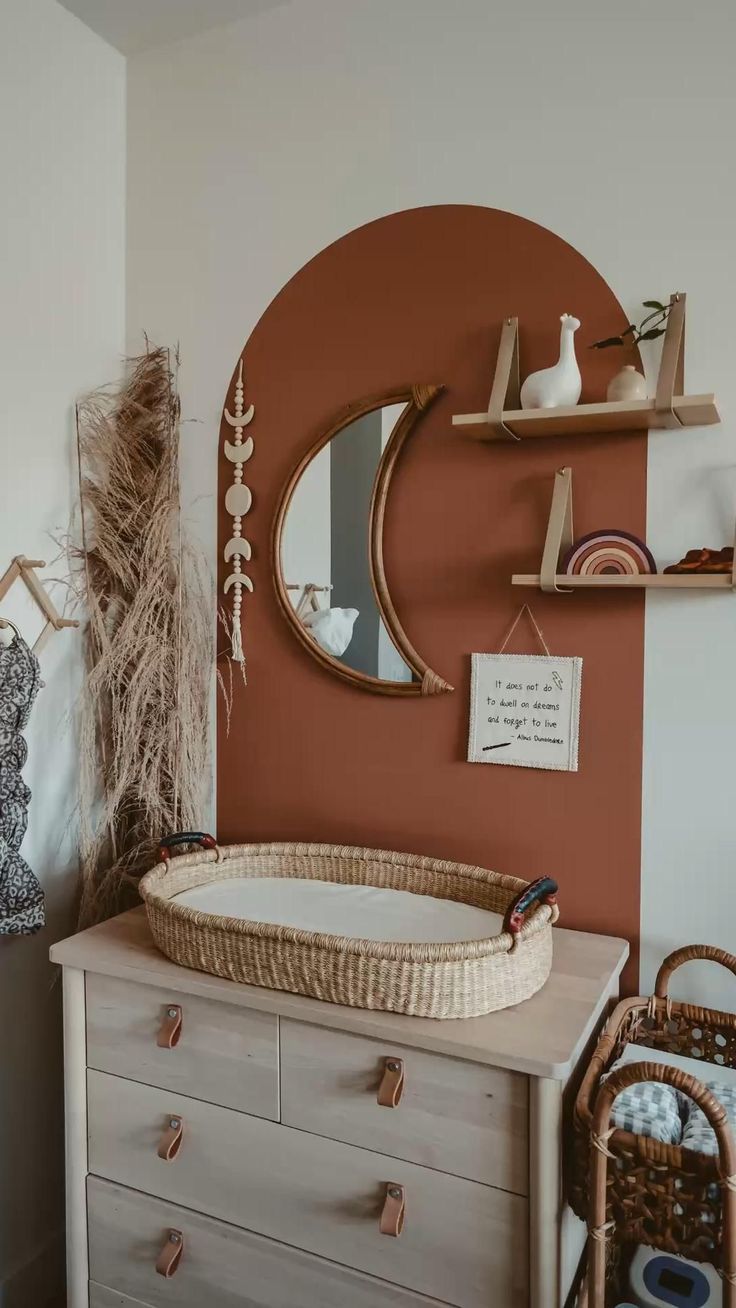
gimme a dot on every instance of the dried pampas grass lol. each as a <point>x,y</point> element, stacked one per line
<point>144,744</point>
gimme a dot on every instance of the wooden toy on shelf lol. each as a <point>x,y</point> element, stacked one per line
<point>703,561</point>
<point>608,553</point>
<point>670,408</point>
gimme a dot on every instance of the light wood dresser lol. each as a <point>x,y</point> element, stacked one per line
<point>230,1146</point>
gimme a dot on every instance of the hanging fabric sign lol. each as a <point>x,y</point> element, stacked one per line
<point>525,708</point>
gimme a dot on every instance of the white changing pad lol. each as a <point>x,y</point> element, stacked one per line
<point>360,912</point>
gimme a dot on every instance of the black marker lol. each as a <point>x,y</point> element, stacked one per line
<point>502,745</point>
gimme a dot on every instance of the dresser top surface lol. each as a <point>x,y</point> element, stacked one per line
<point>544,1036</point>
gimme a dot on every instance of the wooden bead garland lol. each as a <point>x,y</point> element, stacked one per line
<point>238,502</point>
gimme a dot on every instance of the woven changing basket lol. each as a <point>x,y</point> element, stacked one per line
<point>427,980</point>
<point>650,1192</point>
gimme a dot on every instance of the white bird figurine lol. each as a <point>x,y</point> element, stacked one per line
<point>560,385</point>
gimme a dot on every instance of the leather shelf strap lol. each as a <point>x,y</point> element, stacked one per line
<point>394,1205</point>
<point>170,1142</point>
<point>392,1084</point>
<point>170,1028</point>
<point>168,1260</point>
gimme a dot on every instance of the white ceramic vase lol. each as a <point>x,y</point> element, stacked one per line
<point>560,385</point>
<point>628,384</point>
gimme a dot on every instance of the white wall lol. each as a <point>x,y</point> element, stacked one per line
<point>253,147</point>
<point>62,163</point>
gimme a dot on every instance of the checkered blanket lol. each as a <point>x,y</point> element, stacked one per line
<point>663,1113</point>
<point>648,1108</point>
<point>698,1135</point>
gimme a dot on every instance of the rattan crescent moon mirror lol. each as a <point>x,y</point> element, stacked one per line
<point>328,562</point>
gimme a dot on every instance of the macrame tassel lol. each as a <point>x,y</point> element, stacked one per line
<point>236,642</point>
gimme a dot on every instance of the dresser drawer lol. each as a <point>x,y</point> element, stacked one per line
<point>223,1053</point>
<point>462,1243</point>
<point>221,1266</point>
<point>457,1117</point>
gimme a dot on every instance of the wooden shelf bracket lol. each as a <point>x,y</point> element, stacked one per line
<point>671,376</point>
<point>23,569</point>
<point>505,392</point>
<point>560,535</point>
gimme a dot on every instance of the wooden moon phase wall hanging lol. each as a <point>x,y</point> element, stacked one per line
<point>422,680</point>
<point>238,501</point>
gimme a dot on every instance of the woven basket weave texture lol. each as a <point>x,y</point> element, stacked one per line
<point>429,980</point>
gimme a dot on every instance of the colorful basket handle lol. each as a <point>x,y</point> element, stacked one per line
<point>541,891</point>
<point>200,838</point>
<point>711,953</point>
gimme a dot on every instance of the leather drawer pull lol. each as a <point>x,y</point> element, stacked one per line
<point>170,1029</point>
<point>170,1142</point>
<point>392,1217</point>
<point>168,1260</point>
<point>392,1085</point>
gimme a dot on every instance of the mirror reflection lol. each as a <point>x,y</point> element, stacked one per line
<point>325,549</point>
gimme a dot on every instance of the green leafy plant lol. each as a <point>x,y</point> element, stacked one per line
<point>648,329</point>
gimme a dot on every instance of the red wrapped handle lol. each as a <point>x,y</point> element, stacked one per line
<point>200,838</point>
<point>541,891</point>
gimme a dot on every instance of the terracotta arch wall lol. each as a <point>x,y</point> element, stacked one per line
<point>420,296</point>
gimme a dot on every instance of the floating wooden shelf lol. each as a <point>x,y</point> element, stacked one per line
<point>559,541</point>
<point>592,419</point>
<point>505,421</point>
<point>661,581</point>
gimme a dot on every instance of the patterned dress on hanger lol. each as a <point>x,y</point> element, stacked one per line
<point>21,897</point>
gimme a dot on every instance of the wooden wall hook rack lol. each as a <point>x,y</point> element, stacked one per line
<point>23,569</point>
<point>670,408</point>
<point>560,538</point>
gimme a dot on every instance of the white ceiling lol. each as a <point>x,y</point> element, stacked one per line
<point>135,25</point>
